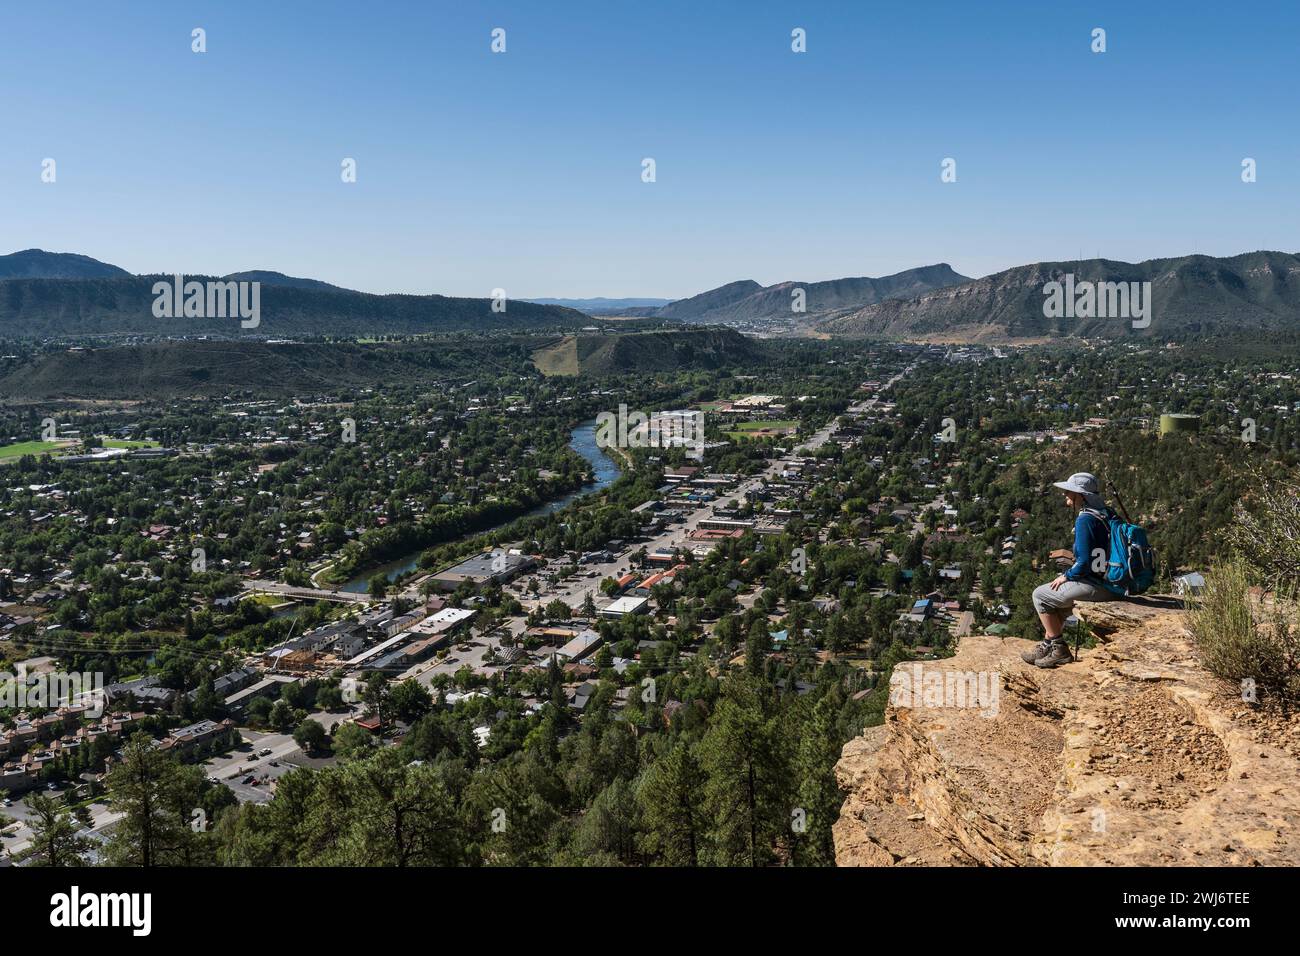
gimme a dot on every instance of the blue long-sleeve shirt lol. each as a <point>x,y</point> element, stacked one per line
<point>1090,534</point>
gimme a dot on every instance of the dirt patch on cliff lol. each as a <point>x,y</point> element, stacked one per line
<point>1268,725</point>
<point>1153,738</point>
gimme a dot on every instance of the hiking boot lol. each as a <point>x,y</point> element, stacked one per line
<point>1036,653</point>
<point>1057,654</point>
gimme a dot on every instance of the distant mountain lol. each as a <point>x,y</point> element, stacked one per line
<point>1190,295</point>
<point>747,301</point>
<point>698,308</point>
<point>123,305</point>
<point>602,305</point>
<point>649,352</point>
<point>39,264</point>
<point>280,279</point>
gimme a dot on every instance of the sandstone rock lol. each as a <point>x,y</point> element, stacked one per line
<point>1132,756</point>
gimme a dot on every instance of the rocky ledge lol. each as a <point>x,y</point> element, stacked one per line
<point>1133,755</point>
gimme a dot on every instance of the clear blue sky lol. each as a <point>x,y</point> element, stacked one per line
<point>523,170</point>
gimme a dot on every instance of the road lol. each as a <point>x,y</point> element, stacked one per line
<point>573,591</point>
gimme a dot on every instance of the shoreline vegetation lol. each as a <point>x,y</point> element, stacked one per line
<point>483,523</point>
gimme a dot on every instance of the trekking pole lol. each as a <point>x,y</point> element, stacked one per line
<point>1118,500</point>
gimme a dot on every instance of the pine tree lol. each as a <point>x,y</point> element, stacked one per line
<point>672,797</point>
<point>757,647</point>
<point>747,794</point>
<point>54,836</point>
<point>144,786</point>
<point>819,795</point>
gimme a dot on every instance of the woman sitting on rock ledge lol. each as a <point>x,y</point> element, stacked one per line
<point>1082,581</point>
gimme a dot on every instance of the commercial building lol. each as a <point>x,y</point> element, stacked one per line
<point>491,567</point>
<point>582,644</point>
<point>624,606</point>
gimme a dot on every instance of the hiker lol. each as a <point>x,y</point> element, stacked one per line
<point>1083,580</point>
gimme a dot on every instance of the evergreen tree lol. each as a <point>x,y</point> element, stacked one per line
<point>145,786</point>
<point>54,834</point>
<point>819,795</point>
<point>747,794</point>
<point>672,801</point>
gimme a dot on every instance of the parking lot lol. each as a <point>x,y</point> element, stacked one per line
<point>251,770</point>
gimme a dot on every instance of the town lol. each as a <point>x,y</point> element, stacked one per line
<point>477,579</point>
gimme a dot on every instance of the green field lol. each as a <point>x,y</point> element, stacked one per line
<point>759,426</point>
<point>750,429</point>
<point>18,449</point>
<point>121,443</point>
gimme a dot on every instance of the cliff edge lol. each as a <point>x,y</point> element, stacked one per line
<point>1134,755</point>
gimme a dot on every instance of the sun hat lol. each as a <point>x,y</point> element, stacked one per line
<point>1082,483</point>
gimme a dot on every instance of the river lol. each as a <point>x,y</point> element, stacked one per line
<point>582,440</point>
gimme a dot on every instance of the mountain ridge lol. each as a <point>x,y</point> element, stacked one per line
<point>748,300</point>
<point>1195,294</point>
<point>39,264</point>
<point>116,306</point>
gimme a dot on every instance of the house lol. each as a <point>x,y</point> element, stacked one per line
<point>350,643</point>
<point>227,684</point>
<point>582,693</point>
<point>147,691</point>
<point>187,738</point>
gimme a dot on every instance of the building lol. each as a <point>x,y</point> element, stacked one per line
<point>227,684</point>
<point>491,567</point>
<point>624,606</point>
<point>582,644</point>
<point>187,738</point>
<point>443,624</point>
<point>147,691</point>
<point>269,687</point>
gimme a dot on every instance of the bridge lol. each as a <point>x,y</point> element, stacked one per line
<point>307,594</point>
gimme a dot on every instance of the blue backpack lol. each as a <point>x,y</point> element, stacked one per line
<point>1131,566</point>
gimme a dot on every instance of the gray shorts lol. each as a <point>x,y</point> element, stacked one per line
<point>1047,601</point>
